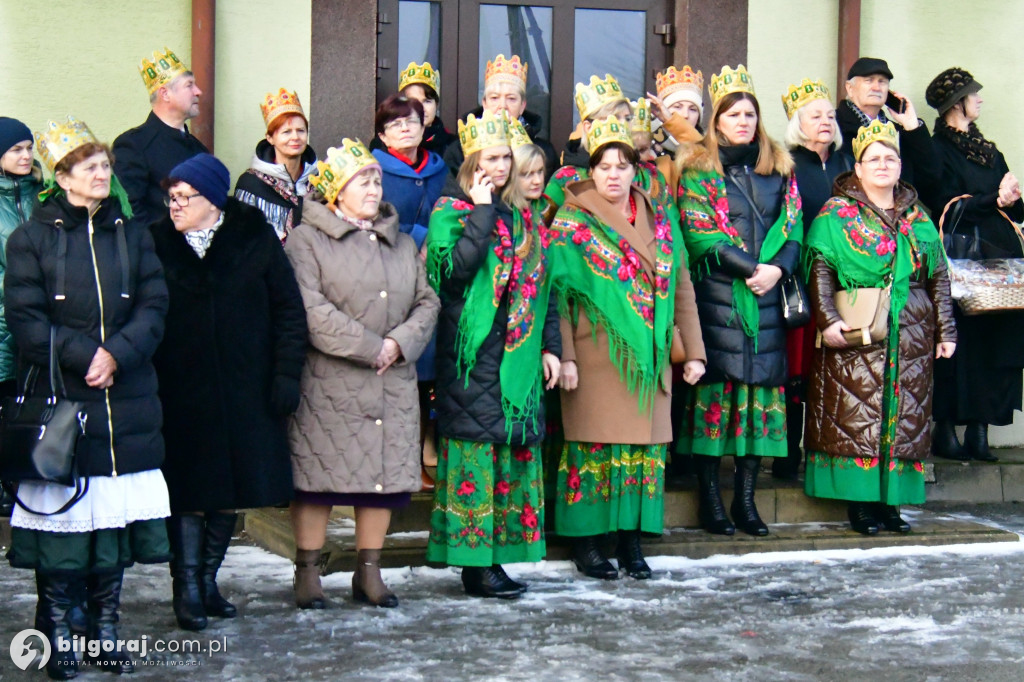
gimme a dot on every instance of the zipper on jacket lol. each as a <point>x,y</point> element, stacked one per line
<point>17,201</point>
<point>103,339</point>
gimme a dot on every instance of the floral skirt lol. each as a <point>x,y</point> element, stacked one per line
<point>488,504</point>
<point>732,418</point>
<point>864,479</point>
<point>607,487</point>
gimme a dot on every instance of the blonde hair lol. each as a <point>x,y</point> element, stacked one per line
<point>510,193</point>
<point>526,155</point>
<point>766,151</point>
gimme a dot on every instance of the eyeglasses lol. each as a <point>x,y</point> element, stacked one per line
<point>880,162</point>
<point>410,123</point>
<point>181,200</point>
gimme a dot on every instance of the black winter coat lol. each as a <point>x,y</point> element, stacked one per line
<point>474,412</point>
<point>234,349</point>
<point>454,157</point>
<point>119,304</point>
<point>731,354</point>
<point>815,178</point>
<point>144,157</point>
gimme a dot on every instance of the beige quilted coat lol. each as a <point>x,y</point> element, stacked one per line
<point>355,431</point>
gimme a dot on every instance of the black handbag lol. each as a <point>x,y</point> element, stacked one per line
<point>964,244</point>
<point>795,309</point>
<point>39,436</point>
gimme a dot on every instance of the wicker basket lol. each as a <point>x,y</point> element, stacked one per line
<point>988,286</point>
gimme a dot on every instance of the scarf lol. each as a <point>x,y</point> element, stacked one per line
<point>971,144</point>
<point>705,210</point>
<point>854,241</point>
<point>286,190</point>
<point>864,119</point>
<point>358,223</point>
<point>596,269</point>
<point>200,240</point>
<point>515,267</point>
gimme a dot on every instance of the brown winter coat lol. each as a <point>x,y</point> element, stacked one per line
<point>355,431</point>
<point>845,389</point>
<point>602,409</point>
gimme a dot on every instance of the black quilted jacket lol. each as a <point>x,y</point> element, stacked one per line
<point>472,410</point>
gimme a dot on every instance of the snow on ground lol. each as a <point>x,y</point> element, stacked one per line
<point>906,613</point>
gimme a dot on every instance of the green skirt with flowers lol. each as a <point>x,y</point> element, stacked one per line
<point>733,418</point>
<point>864,479</point>
<point>607,487</point>
<point>488,504</point>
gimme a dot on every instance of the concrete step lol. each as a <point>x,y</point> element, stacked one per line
<point>1001,481</point>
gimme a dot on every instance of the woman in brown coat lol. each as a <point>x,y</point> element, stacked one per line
<point>618,271</point>
<point>870,405</point>
<point>355,437</point>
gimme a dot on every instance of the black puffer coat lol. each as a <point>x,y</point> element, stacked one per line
<point>815,178</point>
<point>474,412</point>
<point>235,345</point>
<point>731,354</point>
<point>532,122</point>
<point>119,304</point>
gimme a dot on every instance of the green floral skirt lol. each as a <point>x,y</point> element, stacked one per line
<point>606,487</point>
<point>90,552</point>
<point>864,479</point>
<point>732,418</point>
<point>488,504</point>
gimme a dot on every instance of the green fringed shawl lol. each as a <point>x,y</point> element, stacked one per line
<point>594,269</point>
<point>515,262</point>
<point>852,239</point>
<point>705,213</point>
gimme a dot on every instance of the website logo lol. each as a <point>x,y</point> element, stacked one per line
<point>22,653</point>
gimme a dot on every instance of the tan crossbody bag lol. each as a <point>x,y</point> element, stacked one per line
<point>866,312</point>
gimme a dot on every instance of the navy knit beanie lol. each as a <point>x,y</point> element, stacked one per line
<point>207,174</point>
<point>12,131</point>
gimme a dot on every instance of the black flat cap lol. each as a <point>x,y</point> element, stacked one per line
<point>869,66</point>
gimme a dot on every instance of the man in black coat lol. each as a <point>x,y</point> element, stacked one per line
<point>145,155</point>
<point>867,86</point>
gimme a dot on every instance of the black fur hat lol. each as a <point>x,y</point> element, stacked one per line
<point>949,87</point>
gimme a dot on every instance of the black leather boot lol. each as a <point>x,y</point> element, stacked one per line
<point>55,601</point>
<point>586,554</point>
<point>711,509</point>
<point>482,581</point>
<point>186,533</point>
<point>78,616</point>
<point>219,527</point>
<point>889,518</point>
<point>744,512</point>
<point>945,443</point>
<point>104,602</point>
<point>976,443</point>
<point>862,518</point>
<point>787,468</point>
<point>522,587</point>
<point>631,557</point>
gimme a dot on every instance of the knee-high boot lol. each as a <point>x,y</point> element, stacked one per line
<point>711,509</point>
<point>104,598</point>
<point>186,533</point>
<point>744,513</point>
<point>55,601</point>
<point>219,527</point>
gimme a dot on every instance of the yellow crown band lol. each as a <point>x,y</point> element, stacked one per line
<point>876,131</point>
<point>593,96</point>
<point>477,134</point>
<point>641,122</point>
<point>341,165</point>
<point>502,70</point>
<point>58,140</point>
<point>730,81</point>
<point>607,131</point>
<point>799,95</point>
<point>164,67</point>
<point>517,135</point>
<point>420,74</point>
<point>673,80</point>
<point>278,104</point>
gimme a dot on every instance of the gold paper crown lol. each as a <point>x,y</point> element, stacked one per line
<point>517,135</point>
<point>730,81</point>
<point>164,68</point>
<point>591,97</point>
<point>423,74</point>
<point>641,122</point>
<point>607,131</point>
<point>283,102</point>
<point>341,165</point>
<point>802,94</point>
<point>58,140</point>
<point>477,134</point>
<point>876,131</point>
<point>672,80</point>
<point>503,70</point>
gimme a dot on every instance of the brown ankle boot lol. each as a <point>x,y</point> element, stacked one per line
<point>308,592</point>
<point>367,585</point>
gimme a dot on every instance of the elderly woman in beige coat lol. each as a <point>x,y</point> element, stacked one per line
<point>355,436</point>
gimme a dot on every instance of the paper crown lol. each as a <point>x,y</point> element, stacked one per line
<point>477,134</point>
<point>517,135</point>
<point>673,80</point>
<point>164,68</point>
<point>341,165</point>
<point>607,131</point>
<point>730,81</point>
<point>58,140</point>
<point>876,131</point>
<point>503,70</point>
<point>641,122</point>
<point>799,95</point>
<point>279,104</point>
<point>590,98</point>
<point>422,74</point>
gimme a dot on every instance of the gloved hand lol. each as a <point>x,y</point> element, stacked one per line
<point>284,395</point>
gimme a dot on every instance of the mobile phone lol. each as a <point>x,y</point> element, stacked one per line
<point>896,103</point>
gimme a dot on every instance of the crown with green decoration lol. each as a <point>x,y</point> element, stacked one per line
<point>641,122</point>
<point>607,131</point>
<point>161,70</point>
<point>422,74</point>
<point>730,81</point>
<point>58,140</point>
<point>341,165</point>
<point>517,135</point>
<point>876,131</point>
<point>477,134</point>
<point>591,97</point>
<point>799,95</point>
